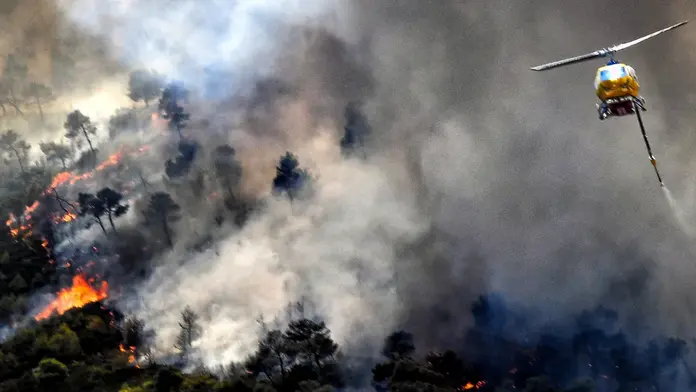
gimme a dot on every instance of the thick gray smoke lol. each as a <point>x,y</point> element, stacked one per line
<point>488,176</point>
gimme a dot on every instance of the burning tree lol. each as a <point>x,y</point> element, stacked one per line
<point>170,108</point>
<point>10,142</point>
<point>227,167</point>
<point>134,338</point>
<point>144,85</point>
<point>55,153</point>
<point>162,211</point>
<point>78,124</point>
<point>290,179</point>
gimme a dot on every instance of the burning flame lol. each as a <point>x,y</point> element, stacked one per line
<point>61,179</point>
<point>68,217</point>
<point>130,351</point>
<point>469,386</point>
<point>29,210</point>
<point>80,294</point>
<point>17,229</point>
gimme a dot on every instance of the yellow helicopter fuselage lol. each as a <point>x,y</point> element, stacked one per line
<point>616,81</point>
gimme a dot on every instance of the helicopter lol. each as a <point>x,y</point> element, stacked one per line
<point>616,84</point>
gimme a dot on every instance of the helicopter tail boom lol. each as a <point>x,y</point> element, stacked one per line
<point>606,51</point>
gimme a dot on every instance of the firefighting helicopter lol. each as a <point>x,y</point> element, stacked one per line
<point>616,85</point>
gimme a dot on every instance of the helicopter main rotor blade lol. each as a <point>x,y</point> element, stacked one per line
<point>604,52</point>
<point>623,46</point>
<point>571,60</point>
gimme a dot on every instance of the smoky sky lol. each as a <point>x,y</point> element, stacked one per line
<point>485,176</point>
<point>537,198</point>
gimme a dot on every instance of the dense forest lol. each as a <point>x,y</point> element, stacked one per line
<point>85,220</point>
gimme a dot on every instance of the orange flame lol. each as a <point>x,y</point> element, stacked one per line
<point>68,217</point>
<point>63,178</point>
<point>60,179</point>
<point>469,385</point>
<point>80,294</point>
<point>28,210</point>
<point>19,228</point>
<point>69,178</point>
<point>130,351</point>
<point>9,223</point>
<point>112,160</point>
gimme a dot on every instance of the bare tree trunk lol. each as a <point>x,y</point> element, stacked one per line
<point>41,113</point>
<point>101,225</point>
<point>111,220</point>
<point>13,102</point>
<point>21,165</point>
<point>94,153</point>
<point>165,228</point>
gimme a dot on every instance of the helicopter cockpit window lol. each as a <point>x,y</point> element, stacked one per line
<point>612,73</point>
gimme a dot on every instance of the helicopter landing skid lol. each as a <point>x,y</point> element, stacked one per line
<point>618,107</point>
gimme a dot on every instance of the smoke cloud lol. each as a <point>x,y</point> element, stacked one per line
<point>486,176</point>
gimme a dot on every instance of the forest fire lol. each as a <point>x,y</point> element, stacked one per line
<point>63,178</point>
<point>469,386</point>
<point>76,296</point>
<point>64,218</point>
<point>15,228</point>
<point>131,353</point>
<point>29,210</point>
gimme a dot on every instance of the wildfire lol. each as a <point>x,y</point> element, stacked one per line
<point>469,386</point>
<point>112,160</point>
<point>9,223</point>
<point>80,294</point>
<point>68,217</point>
<point>63,178</point>
<point>131,353</point>
<point>60,179</point>
<point>17,229</point>
<point>29,210</point>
